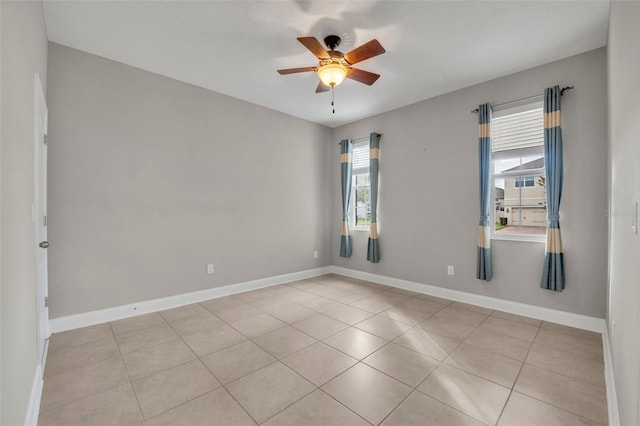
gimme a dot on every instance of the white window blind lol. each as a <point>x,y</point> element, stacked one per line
<point>518,130</point>
<point>360,158</point>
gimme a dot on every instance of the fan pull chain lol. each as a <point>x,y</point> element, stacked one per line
<point>333,98</point>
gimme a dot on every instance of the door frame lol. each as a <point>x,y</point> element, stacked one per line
<point>40,219</point>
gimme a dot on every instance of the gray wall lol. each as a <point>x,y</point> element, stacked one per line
<point>624,246</point>
<point>428,208</point>
<point>150,179</point>
<point>24,52</point>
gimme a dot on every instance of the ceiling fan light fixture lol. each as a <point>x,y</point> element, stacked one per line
<point>332,74</point>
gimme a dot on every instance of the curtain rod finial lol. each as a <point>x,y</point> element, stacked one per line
<point>565,89</point>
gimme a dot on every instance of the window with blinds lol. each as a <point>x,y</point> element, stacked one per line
<point>520,198</point>
<point>360,157</point>
<point>516,130</point>
<point>361,196</point>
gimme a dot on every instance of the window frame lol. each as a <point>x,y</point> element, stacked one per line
<point>531,104</point>
<point>354,173</point>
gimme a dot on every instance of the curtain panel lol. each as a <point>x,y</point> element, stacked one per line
<point>373,250</point>
<point>553,277</point>
<point>484,271</point>
<point>346,151</point>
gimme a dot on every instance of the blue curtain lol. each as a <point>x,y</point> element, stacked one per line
<point>553,272</point>
<point>484,271</point>
<point>373,251</point>
<point>346,150</point>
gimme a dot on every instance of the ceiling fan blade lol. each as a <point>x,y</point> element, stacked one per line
<point>364,52</point>
<point>322,87</point>
<point>295,70</point>
<point>314,47</point>
<point>362,76</point>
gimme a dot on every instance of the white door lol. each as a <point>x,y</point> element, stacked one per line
<point>40,217</point>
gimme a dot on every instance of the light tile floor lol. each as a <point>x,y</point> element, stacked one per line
<point>325,351</point>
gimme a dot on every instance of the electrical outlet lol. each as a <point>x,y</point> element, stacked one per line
<point>210,268</point>
<point>315,254</point>
<point>450,269</point>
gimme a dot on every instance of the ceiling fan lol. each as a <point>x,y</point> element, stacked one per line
<point>334,66</point>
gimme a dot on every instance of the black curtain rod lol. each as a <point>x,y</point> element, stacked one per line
<point>366,138</point>
<point>564,89</point>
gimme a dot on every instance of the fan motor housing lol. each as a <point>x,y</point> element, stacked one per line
<point>332,41</point>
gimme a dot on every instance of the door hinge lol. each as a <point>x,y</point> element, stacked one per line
<point>44,220</point>
<point>46,302</point>
<point>44,138</point>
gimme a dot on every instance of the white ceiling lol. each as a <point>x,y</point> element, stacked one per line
<point>235,47</point>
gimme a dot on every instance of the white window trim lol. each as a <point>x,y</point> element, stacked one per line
<point>352,206</point>
<point>492,210</point>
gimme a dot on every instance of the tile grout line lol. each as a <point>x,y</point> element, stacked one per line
<point>506,335</point>
<point>222,385</point>
<point>462,342</point>
<point>234,398</point>
<point>524,361</point>
<point>278,360</point>
<point>246,374</point>
<point>558,373</point>
<point>250,339</point>
<point>468,372</point>
<point>84,398</point>
<point>90,364</point>
<point>415,389</point>
<point>124,364</point>
<point>331,396</point>
<point>153,345</point>
<point>206,368</point>
<point>358,361</point>
<point>181,404</point>
<point>137,330</point>
<point>294,402</point>
<point>553,372</point>
<point>93,342</point>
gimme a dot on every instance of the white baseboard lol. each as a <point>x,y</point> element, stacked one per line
<point>552,315</point>
<point>609,380</point>
<point>71,322</point>
<point>33,409</point>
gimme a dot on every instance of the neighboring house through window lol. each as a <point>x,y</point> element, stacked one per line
<point>520,197</point>
<point>360,211</point>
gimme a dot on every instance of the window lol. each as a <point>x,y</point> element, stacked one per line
<point>519,190</point>
<point>360,212</point>
<point>524,181</point>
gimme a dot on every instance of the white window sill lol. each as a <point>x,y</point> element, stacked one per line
<point>360,229</point>
<point>522,238</point>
